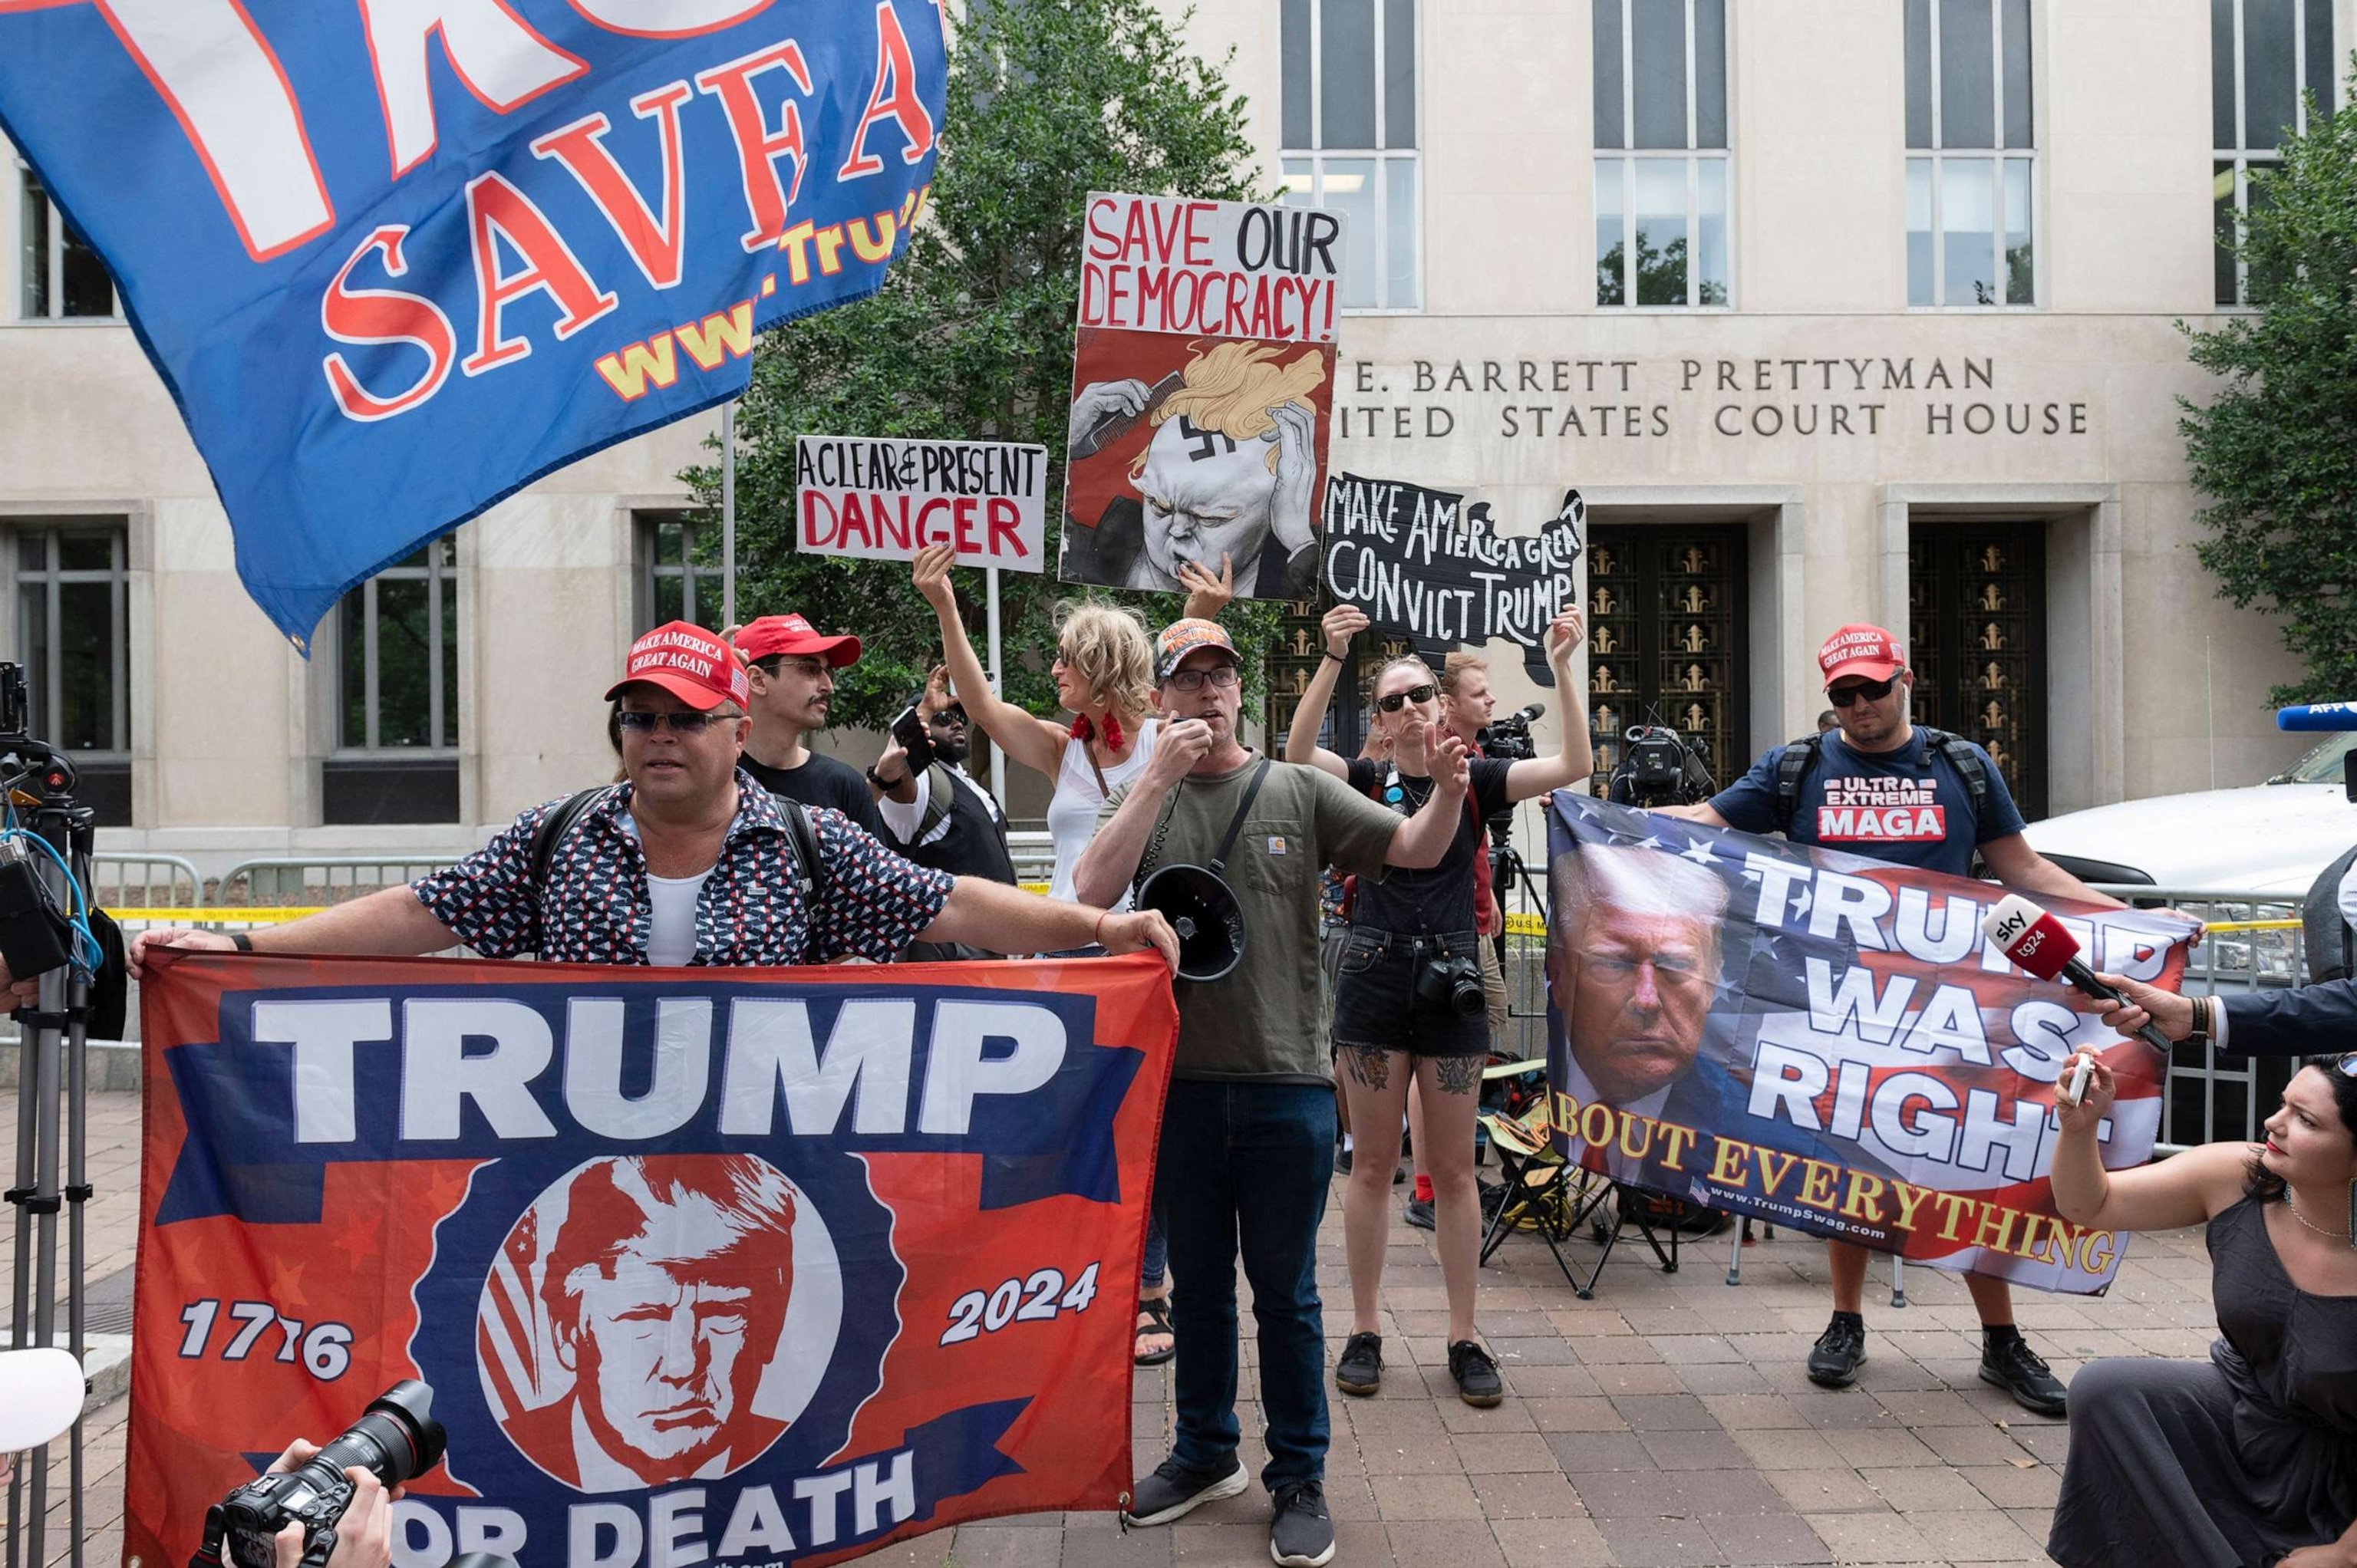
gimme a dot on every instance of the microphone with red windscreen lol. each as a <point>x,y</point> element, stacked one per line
<point>2037,942</point>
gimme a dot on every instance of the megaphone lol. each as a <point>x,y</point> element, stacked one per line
<point>1203,909</point>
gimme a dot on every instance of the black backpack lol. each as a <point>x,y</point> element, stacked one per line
<point>1799,758</point>
<point>802,843</point>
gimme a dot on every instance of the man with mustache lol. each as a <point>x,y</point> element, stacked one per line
<point>791,669</point>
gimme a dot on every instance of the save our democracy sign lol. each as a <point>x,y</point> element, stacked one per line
<point>395,261</point>
<point>1828,1041</point>
<point>746,1267</point>
<point>1202,392</point>
<point>885,499</point>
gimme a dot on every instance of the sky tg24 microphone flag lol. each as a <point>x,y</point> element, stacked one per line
<point>395,260</point>
<point>1831,1042</point>
<point>737,1267</point>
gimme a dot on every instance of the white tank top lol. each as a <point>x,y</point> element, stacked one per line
<point>1072,809</point>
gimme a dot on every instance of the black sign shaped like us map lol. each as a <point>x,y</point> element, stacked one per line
<point>1423,564</point>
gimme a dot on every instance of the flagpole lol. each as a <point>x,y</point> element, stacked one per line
<point>728,513</point>
<point>997,753</point>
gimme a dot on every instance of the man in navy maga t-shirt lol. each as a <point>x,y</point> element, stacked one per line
<point>1880,788</point>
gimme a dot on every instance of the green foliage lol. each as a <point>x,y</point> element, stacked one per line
<point>2275,452</point>
<point>971,336</point>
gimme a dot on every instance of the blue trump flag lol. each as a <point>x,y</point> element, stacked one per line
<point>397,259</point>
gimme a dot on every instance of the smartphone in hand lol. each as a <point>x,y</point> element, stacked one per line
<point>908,729</point>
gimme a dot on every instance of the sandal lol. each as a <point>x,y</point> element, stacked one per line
<point>1157,1309</point>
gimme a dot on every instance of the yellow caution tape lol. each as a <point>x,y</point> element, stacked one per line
<point>236,916</point>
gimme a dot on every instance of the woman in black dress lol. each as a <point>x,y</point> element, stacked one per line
<point>2249,1459</point>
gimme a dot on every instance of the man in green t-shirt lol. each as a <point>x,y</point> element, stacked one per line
<point>1248,1131</point>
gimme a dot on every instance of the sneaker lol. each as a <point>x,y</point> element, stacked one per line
<point>1360,1369</point>
<point>2013,1367</point>
<point>1477,1374</point>
<point>1302,1535</point>
<point>1399,1174</point>
<point>1840,1351</point>
<point>1419,1214</point>
<point>1174,1490</point>
<point>1342,1162</point>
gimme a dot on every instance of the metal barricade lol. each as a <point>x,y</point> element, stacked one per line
<point>319,880</point>
<point>144,882</point>
<point>1034,853</point>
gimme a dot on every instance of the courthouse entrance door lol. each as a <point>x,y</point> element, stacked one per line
<point>1667,640</point>
<point>1976,609</point>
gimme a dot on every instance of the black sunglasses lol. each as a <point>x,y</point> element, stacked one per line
<point>1865,691</point>
<point>680,724</point>
<point>1399,700</point>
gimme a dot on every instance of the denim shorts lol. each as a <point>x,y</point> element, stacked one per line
<point>1376,1006</point>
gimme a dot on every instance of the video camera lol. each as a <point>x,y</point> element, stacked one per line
<point>1657,767</point>
<point>1508,739</point>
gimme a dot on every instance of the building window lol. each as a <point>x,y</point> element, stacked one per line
<point>1661,165</point>
<point>396,757</point>
<point>58,275</point>
<point>1971,154</point>
<point>1350,113</point>
<point>680,570</point>
<point>72,604</point>
<point>2262,54</point>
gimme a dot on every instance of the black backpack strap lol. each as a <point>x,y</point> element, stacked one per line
<point>1967,764</point>
<point>940,794</point>
<point>801,842</point>
<point>1794,765</point>
<point>551,832</point>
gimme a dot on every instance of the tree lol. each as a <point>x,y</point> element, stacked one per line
<point>971,336</point>
<point>2275,452</point>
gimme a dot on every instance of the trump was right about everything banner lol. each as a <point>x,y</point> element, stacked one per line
<point>1828,1042</point>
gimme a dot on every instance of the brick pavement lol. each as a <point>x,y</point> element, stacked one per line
<point>1667,1422</point>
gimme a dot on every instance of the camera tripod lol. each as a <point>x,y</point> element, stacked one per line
<point>38,781</point>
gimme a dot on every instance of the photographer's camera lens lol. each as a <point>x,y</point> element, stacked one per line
<point>396,1439</point>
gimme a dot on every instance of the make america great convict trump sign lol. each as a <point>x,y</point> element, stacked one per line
<point>396,259</point>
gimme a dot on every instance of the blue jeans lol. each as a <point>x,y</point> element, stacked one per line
<point>1156,1262</point>
<point>1246,1167</point>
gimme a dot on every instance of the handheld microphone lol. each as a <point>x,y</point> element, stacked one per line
<point>2037,942</point>
<point>2318,716</point>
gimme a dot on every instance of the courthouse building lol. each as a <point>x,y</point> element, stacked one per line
<point>1831,310</point>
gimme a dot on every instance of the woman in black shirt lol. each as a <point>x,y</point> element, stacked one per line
<point>1408,1003</point>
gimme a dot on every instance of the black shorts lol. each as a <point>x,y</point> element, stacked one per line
<point>1376,1006</point>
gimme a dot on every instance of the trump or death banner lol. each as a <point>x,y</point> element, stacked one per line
<point>1829,1042</point>
<point>396,260</point>
<point>886,499</point>
<point>1202,392</point>
<point>738,1267</point>
<point>1423,564</point>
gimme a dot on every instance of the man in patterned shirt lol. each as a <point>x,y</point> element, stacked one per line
<point>688,861</point>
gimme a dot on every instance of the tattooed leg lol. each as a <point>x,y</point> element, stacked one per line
<point>1369,1065</point>
<point>1456,1075</point>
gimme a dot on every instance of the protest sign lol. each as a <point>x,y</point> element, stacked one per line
<point>1202,389</point>
<point>886,500</point>
<point>1423,564</point>
<point>1828,1042</point>
<point>396,262</point>
<point>853,1250</point>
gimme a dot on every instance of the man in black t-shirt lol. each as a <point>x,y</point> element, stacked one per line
<point>791,669</point>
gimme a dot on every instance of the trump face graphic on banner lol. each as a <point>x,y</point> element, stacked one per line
<point>656,1319</point>
<point>1633,964</point>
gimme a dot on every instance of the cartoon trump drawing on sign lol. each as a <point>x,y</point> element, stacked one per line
<point>1227,467</point>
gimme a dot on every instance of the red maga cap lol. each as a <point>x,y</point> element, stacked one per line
<point>793,635</point>
<point>689,663</point>
<point>1863,651</point>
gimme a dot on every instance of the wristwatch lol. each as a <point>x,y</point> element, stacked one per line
<point>886,785</point>
<point>240,941</point>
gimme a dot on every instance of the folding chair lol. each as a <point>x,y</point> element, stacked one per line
<point>1545,1193</point>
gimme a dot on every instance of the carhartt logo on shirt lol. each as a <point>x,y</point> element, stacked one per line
<point>1275,844</point>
